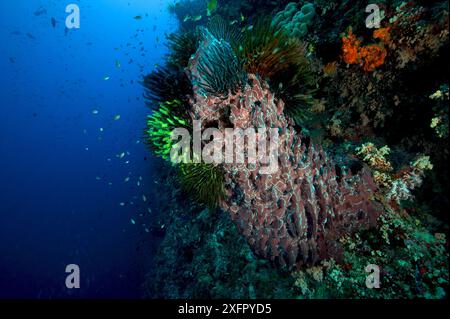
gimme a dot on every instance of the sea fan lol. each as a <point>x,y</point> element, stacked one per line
<point>182,46</point>
<point>166,84</point>
<point>222,30</point>
<point>161,124</point>
<point>267,51</point>
<point>218,66</point>
<point>296,86</point>
<point>204,182</point>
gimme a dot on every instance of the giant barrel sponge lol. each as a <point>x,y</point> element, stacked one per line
<point>295,215</point>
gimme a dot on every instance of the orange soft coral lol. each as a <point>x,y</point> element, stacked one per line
<point>372,56</point>
<point>350,48</point>
<point>382,34</point>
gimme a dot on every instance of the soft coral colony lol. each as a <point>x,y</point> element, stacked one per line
<point>329,186</point>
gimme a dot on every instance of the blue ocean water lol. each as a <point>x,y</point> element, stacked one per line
<point>64,153</point>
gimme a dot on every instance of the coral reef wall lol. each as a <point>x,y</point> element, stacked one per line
<point>362,120</point>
